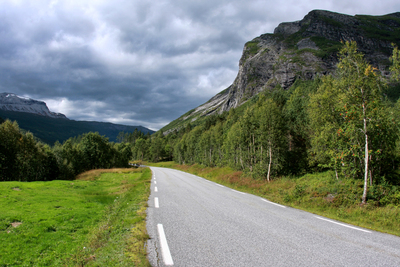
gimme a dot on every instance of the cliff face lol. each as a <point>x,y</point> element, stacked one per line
<point>307,48</point>
<point>12,102</point>
<point>303,50</point>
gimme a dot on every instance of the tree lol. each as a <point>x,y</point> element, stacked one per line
<point>96,150</point>
<point>233,147</point>
<point>355,125</point>
<point>271,139</point>
<point>298,126</point>
<point>324,123</point>
<point>395,68</point>
<point>139,150</point>
<point>360,92</point>
<point>22,158</point>
<point>122,153</point>
<point>10,137</point>
<point>156,147</point>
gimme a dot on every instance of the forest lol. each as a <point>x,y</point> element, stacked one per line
<point>24,158</point>
<point>347,122</point>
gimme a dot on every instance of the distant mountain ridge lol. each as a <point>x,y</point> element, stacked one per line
<point>303,50</point>
<point>13,102</point>
<point>34,116</point>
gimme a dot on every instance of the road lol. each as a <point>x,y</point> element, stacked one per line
<point>194,222</point>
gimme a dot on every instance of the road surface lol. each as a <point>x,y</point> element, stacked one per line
<point>194,222</point>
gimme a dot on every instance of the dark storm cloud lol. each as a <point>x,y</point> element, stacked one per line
<point>137,62</point>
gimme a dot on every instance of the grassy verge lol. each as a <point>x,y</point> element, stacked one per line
<point>319,193</point>
<point>96,220</point>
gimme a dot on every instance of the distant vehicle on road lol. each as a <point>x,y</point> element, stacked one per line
<point>134,165</point>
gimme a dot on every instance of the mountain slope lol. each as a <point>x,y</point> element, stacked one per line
<point>300,50</point>
<point>13,102</point>
<point>50,130</point>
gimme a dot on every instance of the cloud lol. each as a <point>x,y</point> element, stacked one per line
<point>137,62</point>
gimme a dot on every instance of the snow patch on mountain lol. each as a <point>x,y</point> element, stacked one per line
<point>13,102</point>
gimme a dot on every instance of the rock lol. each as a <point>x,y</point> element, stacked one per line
<point>304,50</point>
<point>13,102</point>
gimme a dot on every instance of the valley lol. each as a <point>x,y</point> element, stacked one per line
<point>311,122</point>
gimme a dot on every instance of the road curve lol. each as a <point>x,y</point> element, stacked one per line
<point>194,222</point>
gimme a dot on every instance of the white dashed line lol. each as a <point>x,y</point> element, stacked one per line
<point>156,202</point>
<point>273,203</point>
<point>166,254</point>
<point>348,226</point>
<point>155,182</point>
<point>155,189</point>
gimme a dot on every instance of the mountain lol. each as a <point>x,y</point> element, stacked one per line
<point>13,102</point>
<point>49,127</point>
<point>302,50</point>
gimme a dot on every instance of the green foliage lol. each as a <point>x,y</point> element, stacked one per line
<point>96,151</point>
<point>324,123</point>
<point>381,27</point>
<point>98,221</point>
<point>296,131</point>
<point>22,158</point>
<point>326,47</point>
<point>392,92</point>
<point>354,132</point>
<point>395,68</point>
<point>252,48</point>
<point>49,130</point>
<point>331,22</point>
<point>298,126</point>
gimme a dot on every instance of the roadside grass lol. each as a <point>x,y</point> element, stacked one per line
<point>96,220</point>
<point>318,193</point>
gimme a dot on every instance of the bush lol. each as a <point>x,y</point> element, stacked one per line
<point>23,158</point>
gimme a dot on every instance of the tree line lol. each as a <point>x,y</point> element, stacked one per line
<point>24,158</point>
<point>346,122</point>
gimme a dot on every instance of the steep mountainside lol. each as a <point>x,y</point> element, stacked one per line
<point>50,130</point>
<point>12,102</point>
<point>301,50</point>
<point>34,116</point>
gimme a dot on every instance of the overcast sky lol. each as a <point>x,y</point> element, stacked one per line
<point>138,62</point>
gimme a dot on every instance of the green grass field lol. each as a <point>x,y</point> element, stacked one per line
<point>96,220</point>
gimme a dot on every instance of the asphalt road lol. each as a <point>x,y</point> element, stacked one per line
<point>194,222</point>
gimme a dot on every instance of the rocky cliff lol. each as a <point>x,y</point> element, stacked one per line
<point>303,50</point>
<point>12,102</point>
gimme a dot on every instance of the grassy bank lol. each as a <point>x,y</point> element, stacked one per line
<point>319,193</point>
<point>96,220</point>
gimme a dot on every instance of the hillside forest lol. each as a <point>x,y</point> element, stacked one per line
<point>347,122</point>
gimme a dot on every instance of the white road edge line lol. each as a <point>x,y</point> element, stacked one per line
<point>273,203</point>
<point>355,228</point>
<point>220,185</point>
<point>155,189</point>
<point>238,192</point>
<point>166,254</point>
<point>156,204</point>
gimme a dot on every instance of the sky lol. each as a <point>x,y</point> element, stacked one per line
<point>138,62</point>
